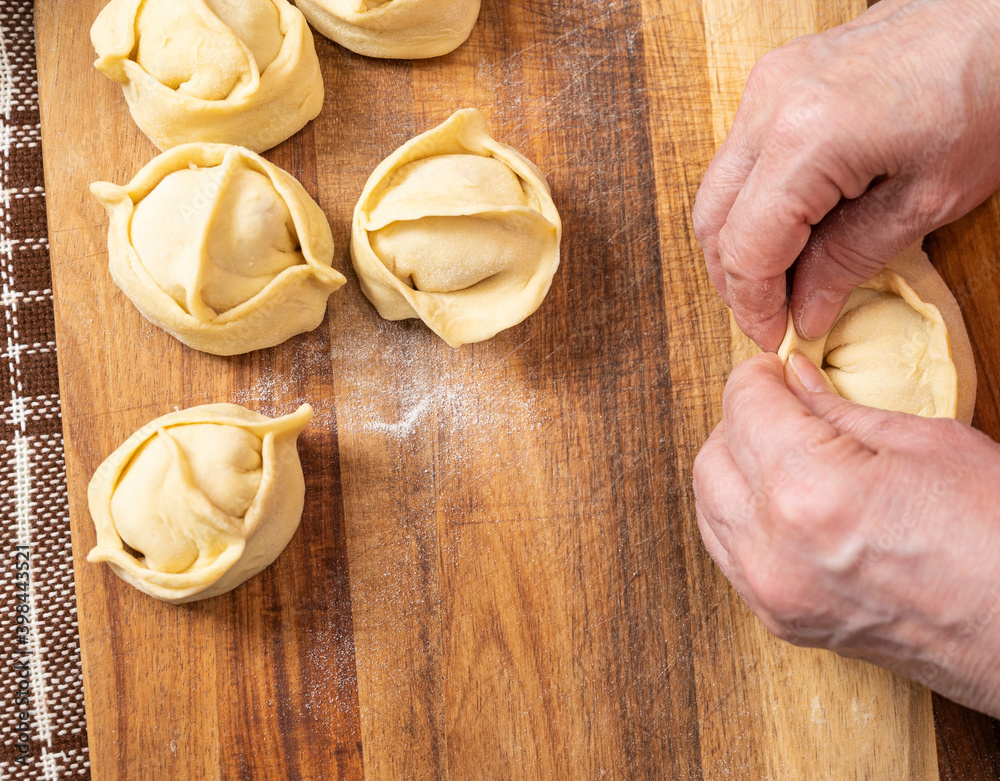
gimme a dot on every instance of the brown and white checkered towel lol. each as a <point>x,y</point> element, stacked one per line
<point>43,735</point>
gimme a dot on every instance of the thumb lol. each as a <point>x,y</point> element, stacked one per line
<point>850,246</point>
<point>869,425</point>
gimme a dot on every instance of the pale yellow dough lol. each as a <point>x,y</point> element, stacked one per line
<point>401,29</point>
<point>198,501</point>
<point>900,344</point>
<point>220,248</point>
<point>222,71</point>
<point>458,230</point>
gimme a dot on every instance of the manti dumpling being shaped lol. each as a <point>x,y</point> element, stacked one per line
<point>220,248</point>
<point>198,501</point>
<point>223,71</point>
<point>458,230</point>
<point>900,344</point>
<point>401,29</point>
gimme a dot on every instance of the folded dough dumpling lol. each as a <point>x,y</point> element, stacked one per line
<point>224,71</point>
<point>220,248</point>
<point>900,344</point>
<point>198,501</point>
<point>458,230</point>
<point>401,29</point>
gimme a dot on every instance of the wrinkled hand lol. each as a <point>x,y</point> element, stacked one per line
<point>847,147</point>
<point>874,534</point>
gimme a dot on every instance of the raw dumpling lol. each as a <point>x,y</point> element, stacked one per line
<point>220,248</point>
<point>401,29</point>
<point>900,344</point>
<point>223,71</point>
<point>458,230</point>
<point>198,501</point>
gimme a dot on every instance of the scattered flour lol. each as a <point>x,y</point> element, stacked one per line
<point>396,379</point>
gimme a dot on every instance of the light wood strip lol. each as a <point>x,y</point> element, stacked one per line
<point>821,715</point>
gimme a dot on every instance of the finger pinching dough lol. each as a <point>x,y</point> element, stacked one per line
<point>220,248</point>
<point>223,71</point>
<point>402,29</point>
<point>457,229</point>
<point>198,501</point>
<point>900,344</point>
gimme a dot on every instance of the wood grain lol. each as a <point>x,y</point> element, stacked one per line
<point>967,253</point>
<point>498,572</point>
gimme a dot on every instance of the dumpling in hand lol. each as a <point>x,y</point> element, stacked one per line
<point>458,230</point>
<point>220,248</point>
<point>401,29</point>
<point>198,501</point>
<point>899,344</point>
<point>226,71</point>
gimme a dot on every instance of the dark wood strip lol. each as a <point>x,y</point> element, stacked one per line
<point>967,254</point>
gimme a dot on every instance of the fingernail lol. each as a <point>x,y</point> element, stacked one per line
<point>820,313</point>
<point>809,377</point>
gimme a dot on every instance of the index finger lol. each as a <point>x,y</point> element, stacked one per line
<point>767,227</point>
<point>719,188</point>
<point>766,425</point>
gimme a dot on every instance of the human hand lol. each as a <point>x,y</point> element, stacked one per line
<point>848,146</point>
<point>874,534</point>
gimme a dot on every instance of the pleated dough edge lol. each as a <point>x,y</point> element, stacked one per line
<point>918,272</point>
<point>302,290</point>
<point>915,267</point>
<point>271,521</point>
<point>464,132</point>
<point>290,92</point>
<point>401,29</point>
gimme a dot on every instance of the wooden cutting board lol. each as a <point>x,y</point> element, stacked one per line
<point>498,572</point>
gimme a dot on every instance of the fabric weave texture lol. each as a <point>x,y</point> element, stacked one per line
<point>43,735</point>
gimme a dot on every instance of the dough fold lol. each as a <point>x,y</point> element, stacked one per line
<point>197,501</point>
<point>458,230</point>
<point>221,71</point>
<point>220,248</point>
<point>900,344</point>
<point>400,29</point>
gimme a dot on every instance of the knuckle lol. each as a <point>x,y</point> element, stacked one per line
<point>773,67</point>
<point>800,48</point>
<point>747,373</point>
<point>810,508</point>
<point>950,433</point>
<point>793,511</point>
<point>854,266</point>
<point>800,119</point>
<point>883,424</point>
<point>756,318</point>
<point>780,604</point>
<point>778,64</point>
<point>934,435</point>
<point>926,208</point>
<point>733,257</point>
<point>764,74</point>
<point>736,403</point>
<point>804,132</point>
<point>729,255</point>
<point>700,219</point>
<point>701,474</point>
